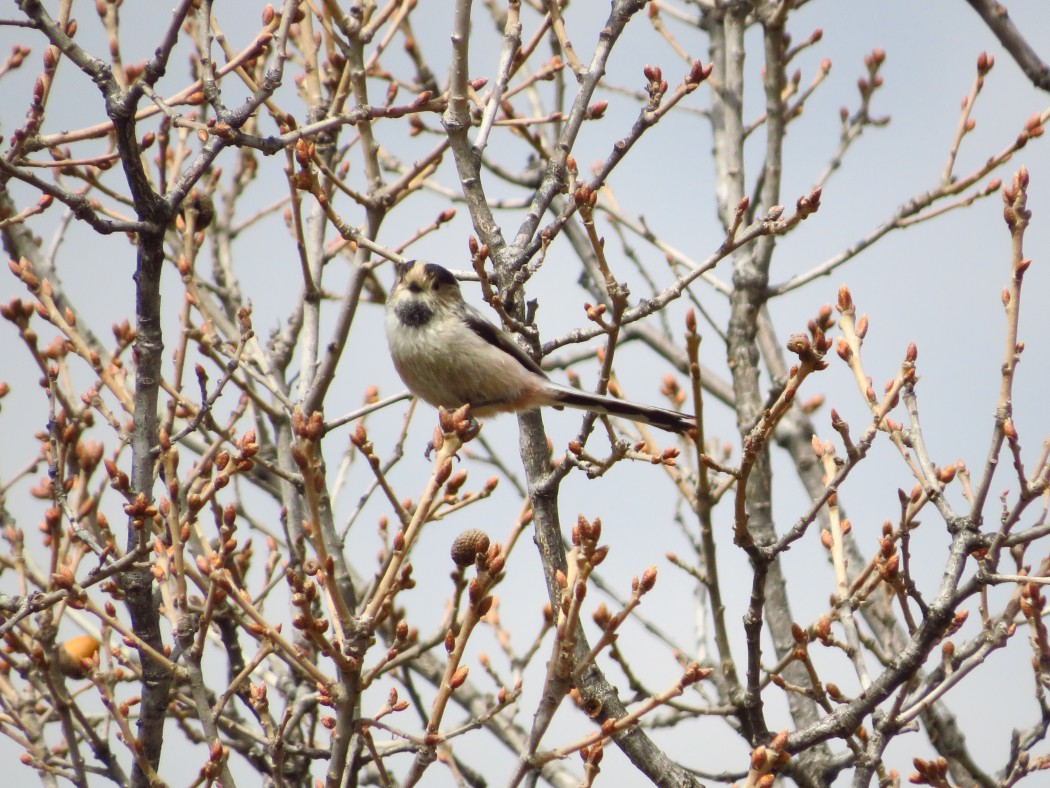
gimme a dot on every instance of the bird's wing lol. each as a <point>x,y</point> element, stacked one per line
<point>495,336</point>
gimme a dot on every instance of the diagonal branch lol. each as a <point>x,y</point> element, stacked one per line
<point>997,18</point>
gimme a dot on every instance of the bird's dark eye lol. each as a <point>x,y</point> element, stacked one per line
<point>414,287</point>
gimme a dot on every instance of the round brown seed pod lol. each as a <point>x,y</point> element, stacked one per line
<point>74,653</point>
<point>467,545</point>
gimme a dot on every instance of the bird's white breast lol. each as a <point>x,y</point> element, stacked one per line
<point>444,362</point>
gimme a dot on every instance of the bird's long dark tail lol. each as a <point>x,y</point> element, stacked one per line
<point>670,420</point>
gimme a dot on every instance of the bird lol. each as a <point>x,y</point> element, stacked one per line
<point>448,354</point>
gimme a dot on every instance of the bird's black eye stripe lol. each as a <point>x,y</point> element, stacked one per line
<point>439,276</point>
<point>414,287</point>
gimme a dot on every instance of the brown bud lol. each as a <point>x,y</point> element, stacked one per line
<point>443,472</point>
<point>459,676</point>
<point>648,580</point>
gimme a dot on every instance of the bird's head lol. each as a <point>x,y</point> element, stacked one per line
<point>421,289</point>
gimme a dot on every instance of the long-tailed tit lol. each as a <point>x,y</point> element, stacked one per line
<point>449,355</point>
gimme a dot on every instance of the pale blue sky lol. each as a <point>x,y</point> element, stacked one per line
<point>937,284</point>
